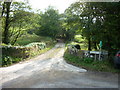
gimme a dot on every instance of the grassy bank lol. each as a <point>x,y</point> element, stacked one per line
<point>103,66</point>
<point>29,38</point>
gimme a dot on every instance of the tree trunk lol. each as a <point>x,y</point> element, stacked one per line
<point>95,46</point>
<point>6,29</point>
<point>89,44</point>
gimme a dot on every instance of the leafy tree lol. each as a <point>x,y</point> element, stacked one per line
<point>70,24</point>
<point>97,21</point>
<point>50,23</point>
<point>18,21</point>
<point>19,26</point>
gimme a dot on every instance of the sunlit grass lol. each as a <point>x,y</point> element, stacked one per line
<point>26,39</point>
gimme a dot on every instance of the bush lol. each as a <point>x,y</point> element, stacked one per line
<point>8,60</point>
<point>88,60</point>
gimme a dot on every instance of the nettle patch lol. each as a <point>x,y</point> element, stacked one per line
<point>12,54</point>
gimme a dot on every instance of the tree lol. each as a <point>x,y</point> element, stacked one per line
<point>19,26</point>
<point>70,24</point>
<point>50,23</point>
<point>6,10</point>
<point>16,19</point>
<point>98,21</point>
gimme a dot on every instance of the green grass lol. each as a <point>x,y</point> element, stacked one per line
<point>26,39</point>
<point>103,66</point>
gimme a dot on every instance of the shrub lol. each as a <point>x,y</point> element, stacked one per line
<point>6,60</point>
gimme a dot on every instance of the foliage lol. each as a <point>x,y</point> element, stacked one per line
<point>88,60</point>
<point>7,60</point>
<point>96,22</point>
<point>29,50</point>
<point>79,39</point>
<point>15,21</point>
<point>68,28</point>
<point>28,38</point>
<point>50,23</point>
<point>15,54</point>
<point>104,66</point>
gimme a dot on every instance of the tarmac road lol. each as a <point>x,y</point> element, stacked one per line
<point>50,70</point>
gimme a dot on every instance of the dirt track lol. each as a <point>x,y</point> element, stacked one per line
<point>50,70</point>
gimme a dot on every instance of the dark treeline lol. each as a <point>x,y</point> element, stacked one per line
<point>95,21</point>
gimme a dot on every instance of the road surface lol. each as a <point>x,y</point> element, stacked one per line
<point>50,70</point>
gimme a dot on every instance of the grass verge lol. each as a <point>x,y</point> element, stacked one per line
<point>102,66</point>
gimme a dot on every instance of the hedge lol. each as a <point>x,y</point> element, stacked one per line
<point>19,52</point>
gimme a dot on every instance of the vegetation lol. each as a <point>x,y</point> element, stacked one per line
<point>14,54</point>
<point>96,22</point>
<point>85,23</point>
<point>13,26</point>
<point>89,64</point>
<point>50,23</point>
<point>29,38</point>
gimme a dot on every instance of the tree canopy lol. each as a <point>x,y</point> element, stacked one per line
<point>97,22</point>
<point>49,23</point>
